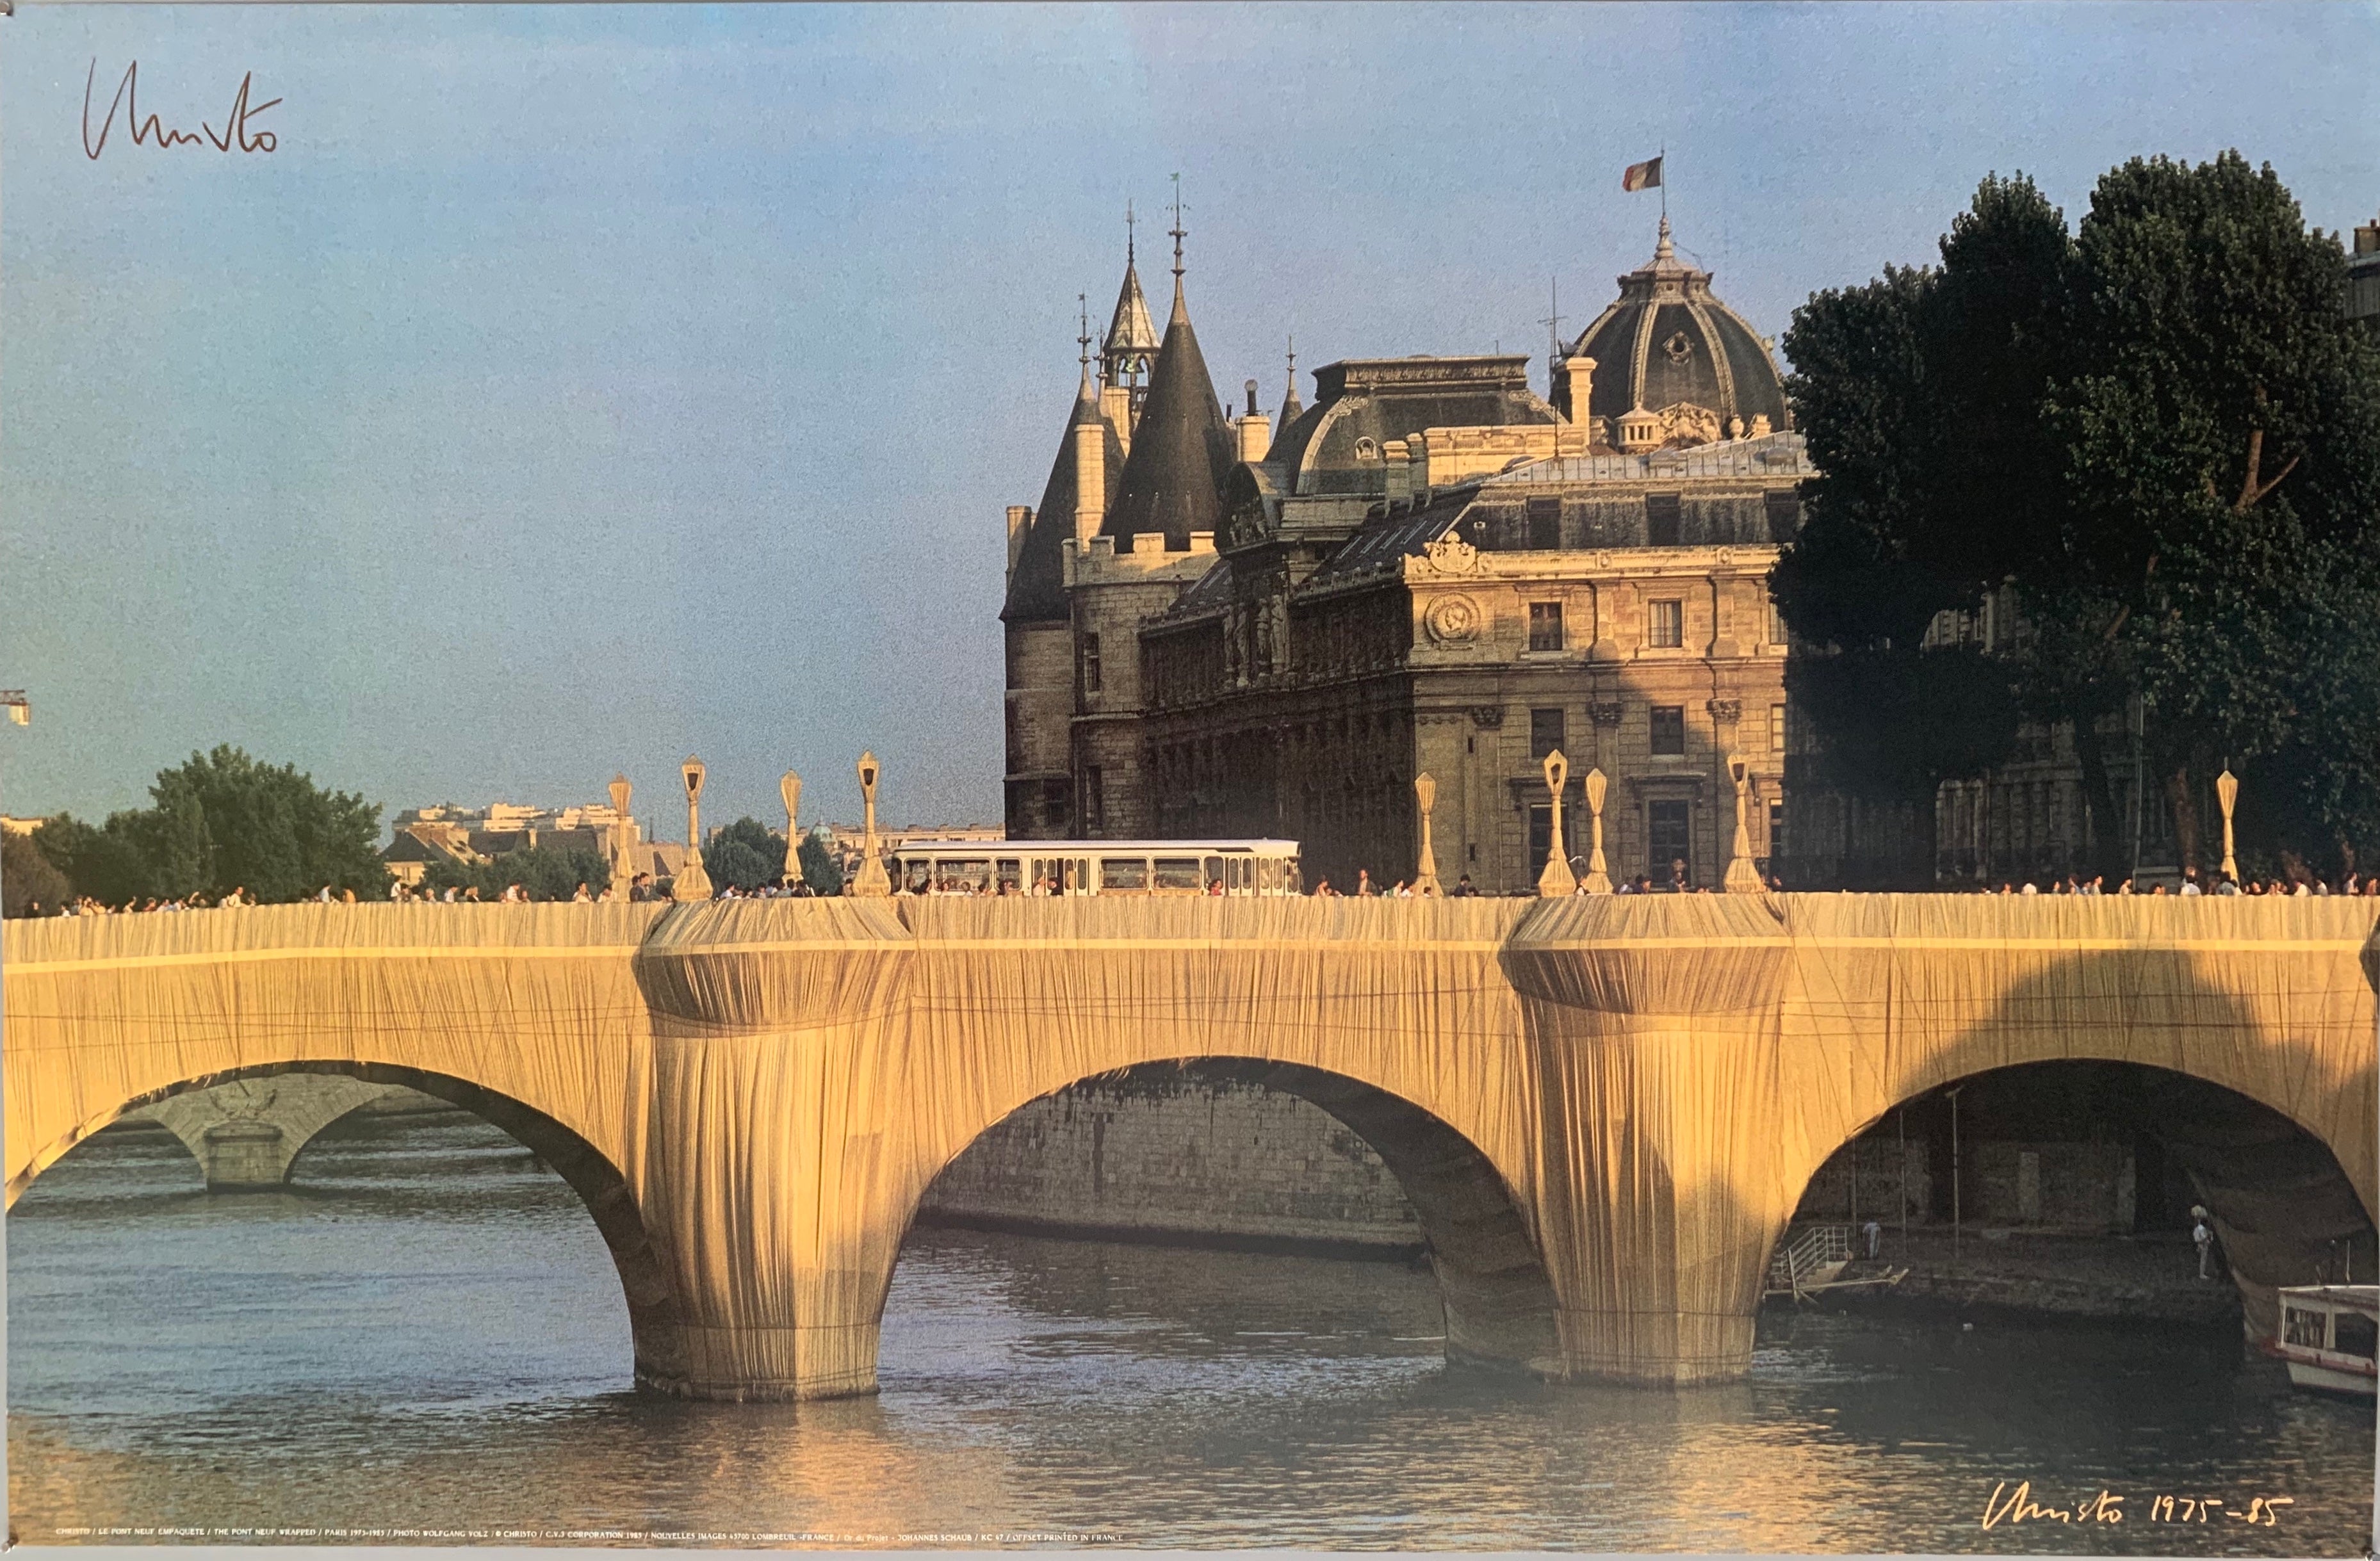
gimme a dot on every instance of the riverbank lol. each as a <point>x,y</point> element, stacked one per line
<point>2147,1277</point>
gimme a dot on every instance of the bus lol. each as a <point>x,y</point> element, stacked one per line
<point>1241,868</point>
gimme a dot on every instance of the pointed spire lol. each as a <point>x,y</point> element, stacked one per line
<point>1290,409</point>
<point>1180,312</point>
<point>1089,393</point>
<point>1665,253</point>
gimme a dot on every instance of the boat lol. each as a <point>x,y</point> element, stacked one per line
<point>2329,1335</point>
<point>1812,1263</point>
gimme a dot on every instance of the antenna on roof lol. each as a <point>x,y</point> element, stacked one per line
<point>1552,322</point>
<point>1178,231</point>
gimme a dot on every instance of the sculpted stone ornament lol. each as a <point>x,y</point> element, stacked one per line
<point>1452,620</point>
<point>1683,422</point>
<point>1725,712</point>
<point>1450,555</point>
<point>1605,713</point>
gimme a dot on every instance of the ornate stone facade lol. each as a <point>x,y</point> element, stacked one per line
<point>1432,568</point>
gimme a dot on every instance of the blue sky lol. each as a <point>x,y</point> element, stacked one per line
<point>576,388</point>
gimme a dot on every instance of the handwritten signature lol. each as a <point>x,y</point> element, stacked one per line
<point>235,135</point>
<point>2014,1507</point>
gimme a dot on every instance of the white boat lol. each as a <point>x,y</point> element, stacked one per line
<point>2329,1335</point>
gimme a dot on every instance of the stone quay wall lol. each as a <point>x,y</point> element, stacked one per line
<point>1167,1159</point>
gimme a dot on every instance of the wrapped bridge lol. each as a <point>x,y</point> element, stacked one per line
<point>1604,1108</point>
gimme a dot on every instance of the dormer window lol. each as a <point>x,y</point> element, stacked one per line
<point>1365,450</point>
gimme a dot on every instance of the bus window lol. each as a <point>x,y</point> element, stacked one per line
<point>1179,873</point>
<point>1268,875</point>
<point>1123,873</point>
<point>1212,872</point>
<point>918,874</point>
<point>1009,872</point>
<point>963,875</point>
<point>1239,875</point>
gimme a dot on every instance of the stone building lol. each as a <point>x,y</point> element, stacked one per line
<point>1430,568</point>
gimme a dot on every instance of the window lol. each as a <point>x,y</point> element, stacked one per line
<point>1090,663</point>
<point>1180,872</point>
<point>1661,520</point>
<point>1669,729</point>
<point>1776,835</point>
<point>1784,514</point>
<point>1124,873</point>
<point>1095,806</point>
<point>1544,733</point>
<point>1776,623</point>
<point>1665,624</point>
<point>2305,1329</point>
<point>1669,831</point>
<point>1545,524</point>
<point>1541,838</point>
<point>1054,804</point>
<point>1776,728</point>
<point>1544,625</point>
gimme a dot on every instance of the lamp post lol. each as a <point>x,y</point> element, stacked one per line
<point>1598,877</point>
<point>692,882</point>
<point>1425,870</point>
<point>1557,877</point>
<point>1742,876</point>
<point>871,883</point>
<point>790,788</point>
<point>2226,792</point>
<point>624,862</point>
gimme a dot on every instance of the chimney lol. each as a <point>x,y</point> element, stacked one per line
<point>1579,376</point>
<point>1255,429</point>
<point>1090,480</point>
<point>1020,520</point>
<point>1398,459</point>
<point>1115,405</point>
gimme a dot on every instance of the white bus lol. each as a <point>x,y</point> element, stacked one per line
<point>1239,867</point>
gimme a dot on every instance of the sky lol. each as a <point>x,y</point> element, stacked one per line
<point>573,389</point>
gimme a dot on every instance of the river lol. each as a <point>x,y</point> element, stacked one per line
<point>424,1340</point>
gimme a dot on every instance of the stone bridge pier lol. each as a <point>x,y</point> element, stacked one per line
<point>247,1135</point>
<point>1604,1109</point>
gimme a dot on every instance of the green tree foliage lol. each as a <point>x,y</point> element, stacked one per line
<point>745,854</point>
<point>2163,436</point>
<point>29,878</point>
<point>818,867</point>
<point>219,822</point>
<point>545,872</point>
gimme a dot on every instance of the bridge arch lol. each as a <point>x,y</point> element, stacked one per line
<point>655,1315</point>
<point>1498,1301</point>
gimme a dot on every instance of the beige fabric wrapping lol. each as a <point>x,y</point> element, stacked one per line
<point>758,1093</point>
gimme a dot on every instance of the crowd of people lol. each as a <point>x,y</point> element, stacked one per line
<point>644,887</point>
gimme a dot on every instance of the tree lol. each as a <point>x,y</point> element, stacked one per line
<point>28,878</point>
<point>819,869</point>
<point>2161,437</point>
<point>544,872</point>
<point>223,821</point>
<point>745,854</point>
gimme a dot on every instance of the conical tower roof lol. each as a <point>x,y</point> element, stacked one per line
<point>1036,587</point>
<point>1180,450</point>
<point>1290,408</point>
<point>1131,331</point>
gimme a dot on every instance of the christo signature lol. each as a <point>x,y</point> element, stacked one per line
<point>236,134</point>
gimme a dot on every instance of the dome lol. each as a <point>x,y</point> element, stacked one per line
<point>1669,348</point>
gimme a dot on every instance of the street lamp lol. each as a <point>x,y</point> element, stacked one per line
<point>872,882</point>
<point>692,882</point>
<point>790,789</point>
<point>1557,877</point>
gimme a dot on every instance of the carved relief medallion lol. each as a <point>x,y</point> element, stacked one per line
<point>1452,620</point>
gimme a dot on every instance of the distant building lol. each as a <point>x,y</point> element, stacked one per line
<point>14,825</point>
<point>469,836</point>
<point>2363,276</point>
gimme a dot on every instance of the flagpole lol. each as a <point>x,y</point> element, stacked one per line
<point>1664,155</point>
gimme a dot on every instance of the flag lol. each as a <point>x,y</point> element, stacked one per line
<point>1641,175</point>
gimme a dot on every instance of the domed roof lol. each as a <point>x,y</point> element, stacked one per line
<point>1669,342</point>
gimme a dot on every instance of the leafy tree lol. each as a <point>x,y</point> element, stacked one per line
<point>2162,437</point>
<point>819,869</point>
<point>745,854</point>
<point>545,872</point>
<point>27,877</point>
<point>220,821</point>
